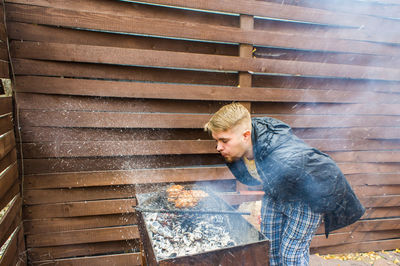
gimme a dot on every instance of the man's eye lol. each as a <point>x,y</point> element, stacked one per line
<point>224,141</point>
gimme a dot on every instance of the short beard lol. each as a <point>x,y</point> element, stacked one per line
<point>231,159</point>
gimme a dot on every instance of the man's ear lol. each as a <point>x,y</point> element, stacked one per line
<point>247,134</point>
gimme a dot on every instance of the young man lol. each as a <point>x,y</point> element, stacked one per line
<point>302,185</point>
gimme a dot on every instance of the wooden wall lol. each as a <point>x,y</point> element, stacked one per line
<point>12,244</point>
<point>115,93</point>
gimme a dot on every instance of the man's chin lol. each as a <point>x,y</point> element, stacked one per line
<point>229,159</point>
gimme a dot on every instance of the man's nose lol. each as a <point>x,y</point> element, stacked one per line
<point>219,147</point>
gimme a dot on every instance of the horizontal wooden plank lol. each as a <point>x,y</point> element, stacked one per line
<point>140,57</point>
<point>371,108</point>
<point>118,259</point>
<point>139,176</point>
<point>165,147</point>
<point>10,194</point>
<point>366,156</point>
<point>5,105</point>
<point>354,237</point>
<point>7,179</point>
<point>8,159</point>
<point>44,134</point>
<point>82,208</point>
<point>188,28</point>
<point>381,201</point>
<point>41,33</point>
<point>326,83</point>
<point>365,168</point>
<point>374,179</point>
<point>11,220</point>
<point>331,58</point>
<point>11,253</point>
<point>366,191</point>
<point>67,195</point>
<point>83,236</point>
<point>375,133</point>
<point>381,212</point>
<point>367,246</point>
<point>266,9</point>
<point>68,251</point>
<point>6,123</point>
<point>74,223</point>
<point>366,226</point>
<point>7,143</point>
<point>99,119</point>
<point>117,148</point>
<point>4,71</point>
<point>382,8</point>
<point>273,10</point>
<point>66,86</point>
<point>62,165</point>
<point>134,73</point>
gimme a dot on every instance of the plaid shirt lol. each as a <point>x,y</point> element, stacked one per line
<point>290,227</point>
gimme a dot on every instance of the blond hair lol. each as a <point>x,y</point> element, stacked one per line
<point>228,117</point>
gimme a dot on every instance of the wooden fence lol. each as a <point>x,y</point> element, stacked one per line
<point>12,244</point>
<point>115,93</point>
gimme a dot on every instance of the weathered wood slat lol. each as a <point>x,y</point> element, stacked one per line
<point>371,108</point>
<point>366,226</point>
<point>96,119</point>
<point>117,148</point>
<point>43,134</point>
<point>12,253</point>
<point>164,147</point>
<point>41,33</point>
<point>68,251</point>
<point>374,179</point>
<point>6,123</point>
<point>139,57</point>
<point>83,236</point>
<point>83,208</point>
<point>50,165</point>
<point>8,159</point>
<point>7,143</point>
<point>381,201</point>
<point>44,196</point>
<point>354,237</point>
<point>8,178</point>
<point>10,194</point>
<point>382,8</point>
<point>359,247</point>
<point>382,212</point>
<point>75,223</point>
<point>259,8</point>
<point>71,69</point>
<point>373,133</point>
<point>367,191</point>
<point>343,42</point>
<point>366,156</point>
<point>11,220</point>
<point>320,56</point>
<point>105,178</point>
<point>118,259</point>
<point>65,86</point>
<point>5,105</point>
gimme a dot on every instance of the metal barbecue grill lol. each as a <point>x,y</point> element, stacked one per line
<point>210,233</point>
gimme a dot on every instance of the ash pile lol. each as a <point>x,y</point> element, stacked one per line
<point>175,235</point>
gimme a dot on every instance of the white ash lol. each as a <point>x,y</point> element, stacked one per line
<point>175,235</point>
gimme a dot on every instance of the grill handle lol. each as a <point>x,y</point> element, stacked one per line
<point>191,211</point>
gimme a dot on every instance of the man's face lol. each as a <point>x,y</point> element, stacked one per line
<point>231,144</point>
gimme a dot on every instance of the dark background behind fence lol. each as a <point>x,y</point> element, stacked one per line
<point>115,93</point>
